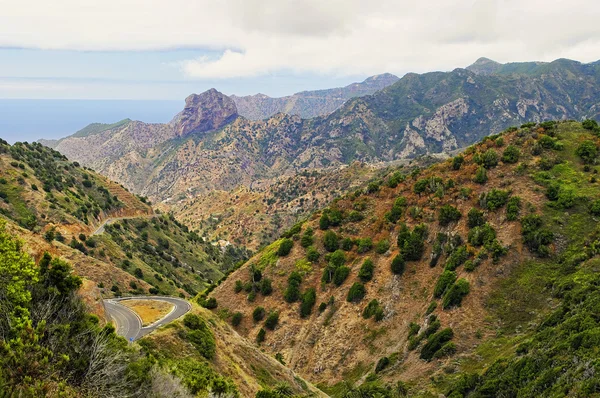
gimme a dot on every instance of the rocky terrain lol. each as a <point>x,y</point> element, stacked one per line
<point>309,104</point>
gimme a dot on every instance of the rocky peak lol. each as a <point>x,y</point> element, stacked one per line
<point>484,66</point>
<point>207,111</point>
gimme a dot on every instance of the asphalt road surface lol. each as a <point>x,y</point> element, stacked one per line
<point>129,324</point>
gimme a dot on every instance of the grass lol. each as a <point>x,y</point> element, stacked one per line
<point>149,310</point>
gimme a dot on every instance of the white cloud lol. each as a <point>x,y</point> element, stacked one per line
<point>339,37</point>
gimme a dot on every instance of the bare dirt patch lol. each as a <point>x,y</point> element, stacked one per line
<point>149,310</point>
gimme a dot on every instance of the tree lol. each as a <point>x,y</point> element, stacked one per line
<point>272,320</point>
<point>365,274</point>
<point>511,154</point>
<point>448,214</point>
<point>457,162</point>
<point>258,314</point>
<point>285,247</point>
<point>292,293</point>
<point>307,238</point>
<point>587,151</point>
<point>330,241</point>
<point>356,293</point>
<point>481,175</point>
<point>435,342</point>
<point>324,222</point>
<point>260,337</point>
<point>312,254</point>
<point>309,298</point>
<point>340,275</point>
<point>454,295</point>
<point>444,282</point>
<point>475,218</point>
<point>236,318</point>
<point>398,264</point>
<point>489,159</point>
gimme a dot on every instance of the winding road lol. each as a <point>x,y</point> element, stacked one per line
<point>129,324</point>
<point>101,228</point>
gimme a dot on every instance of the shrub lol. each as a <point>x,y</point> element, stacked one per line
<point>258,314</point>
<point>292,292</point>
<point>236,318</point>
<point>398,264</point>
<point>513,208</point>
<point>209,303</point>
<point>340,275</point>
<point>552,191</point>
<point>448,214</point>
<point>566,198</point>
<point>307,238</point>
<point>447,349</point>
<point>347,244</point>
<point>587,151</point>
<point>397,209</point>
<point>260,336</point>
<point>355,216</point>
<point>435,342</point>
<point>457,162</point>
<point>535,237</point>
<point>364,245</point>
<point>457,258</point>
<point>482,235</point>
<point>475,218</point>
<point>322,307</point>
<point>266,286</point>
<point>309,298</point>
<point>193,321</point>
<point>455,295</point>
<point>285,247</point>
<point>595,208</point>
<point>382,364</point>
<point>420,186</point>
<point>444,282</point>
<point>330,241</point>
<point>239,286</point>
<point>337,259</point>
<point>204,342</point>
<point>489,159</point>
<point>324,222</point>
<point>495,199</point>
<point>480,175</point>
<point>511,154</point>
<point>365,274</point>
<point>373,309</point>
<point>382,246</point>
<point>356,293</point>
<point>590,124</point>
<point>272,320</point>
<point>411,244</point>
<point>431,308</point>
<point>312,254</point>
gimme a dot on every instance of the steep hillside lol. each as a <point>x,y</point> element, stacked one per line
<point>51,346</point>
<point>309,104</point>
<point>57,206</point>
<point>448,280</point>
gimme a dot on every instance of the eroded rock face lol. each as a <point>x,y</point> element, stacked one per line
<point>204,112</point>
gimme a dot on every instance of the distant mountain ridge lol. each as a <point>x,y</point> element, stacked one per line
<point>309,104</point>
<point>209,146</point>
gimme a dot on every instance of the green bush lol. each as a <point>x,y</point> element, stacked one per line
<point>193,321</point>
<point>204,342</point>
<point>382,246</point>
<point>382,364</point>
<point>480,175</point>
<point>260,336</point>
<point>436,342</point>
<point>258,314</point>
<point>448,214</point>
<point>587,151</point>
<point>307,238</point>
<point>292,292</point>
<point>373,309</point>
<point>595,208</point>
<point>431,308</point>
<point>489,159</point>
<point>365,274</point>
<point>495,199</point>
<point>482,235</point>
<point>475,218</point>
<point>411,244</point>
<point>330,241</point>
<point>309,298</point>
<point>272,320</point>
<point>347,244</point>
<point>513,208</point>
<point>535,237</point>
<point>312,254</point>
<point>455,295</point>
<point>457,162</point>
<point>398,209</point>
<point>355,216</point>
<point>236,318</point>
<point>356,292</point>
<point>364,245</point>
<point>511,154</point>
<point>209,303</point>
<point>457,258</point>
<point>444,282</point>
<point>340,275</point>
<point>266,287</point>
<point>398,264</point>
<point>285,247</point>
<point>590,124</point>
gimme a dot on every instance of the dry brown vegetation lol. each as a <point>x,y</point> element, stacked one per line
<point>149,310</point>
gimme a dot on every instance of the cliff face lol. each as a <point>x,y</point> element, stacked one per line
<point>204,112</point>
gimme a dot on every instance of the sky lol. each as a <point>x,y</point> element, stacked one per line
<point>165,50</point>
